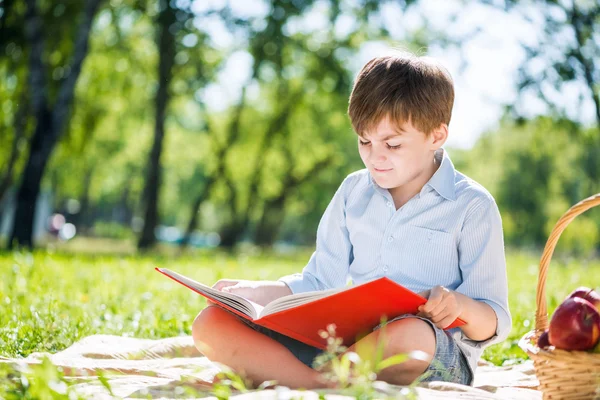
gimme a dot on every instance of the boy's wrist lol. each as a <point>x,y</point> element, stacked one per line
<point>463,303</point>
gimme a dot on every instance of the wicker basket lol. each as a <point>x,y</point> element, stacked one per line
<point>562,374</point>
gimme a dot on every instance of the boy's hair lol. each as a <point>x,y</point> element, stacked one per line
<point>405,88</point>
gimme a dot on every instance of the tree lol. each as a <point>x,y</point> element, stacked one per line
<point>534,179</point>
<point>565,56</point>
<point>50,118</point>
<point>98,160</point>
<point>174,23</point>
<point>255,195</point>
<point>239,215</point>
<point>19,141</point>
<point>167,23</point>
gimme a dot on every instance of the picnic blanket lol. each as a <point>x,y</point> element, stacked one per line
<point>173,368</point>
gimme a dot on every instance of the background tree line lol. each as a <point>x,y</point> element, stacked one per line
<point>110,104</point>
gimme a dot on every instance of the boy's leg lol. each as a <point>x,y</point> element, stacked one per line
<point>222,337</point>
<point>409,333</point>
<point>401,337</point>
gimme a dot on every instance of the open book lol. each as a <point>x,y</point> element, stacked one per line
<point>354,310</point>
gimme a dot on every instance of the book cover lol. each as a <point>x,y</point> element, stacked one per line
<point>354,310</point>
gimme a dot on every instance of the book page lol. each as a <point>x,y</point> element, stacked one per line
<point>234,301</point>
<point>294,300</point>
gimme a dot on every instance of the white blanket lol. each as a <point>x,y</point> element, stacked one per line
<point>173,368</point>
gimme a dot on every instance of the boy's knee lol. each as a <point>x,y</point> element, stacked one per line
<point>403,337</point>
<point>409,334</point>
<point>205,325</point>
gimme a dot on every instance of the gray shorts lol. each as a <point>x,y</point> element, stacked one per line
<point>449,363</point>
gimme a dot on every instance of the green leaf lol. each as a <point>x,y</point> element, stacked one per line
<point>104,381</point>
<point>393,360</point>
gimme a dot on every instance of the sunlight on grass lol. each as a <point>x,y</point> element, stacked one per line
<point>50,300</point>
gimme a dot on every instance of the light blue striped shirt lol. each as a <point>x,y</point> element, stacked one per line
<point>449,234</point>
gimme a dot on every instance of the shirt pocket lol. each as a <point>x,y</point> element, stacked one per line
<point>365,253</point>
<point>427,253</point>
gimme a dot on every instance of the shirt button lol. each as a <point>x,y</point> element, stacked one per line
<point>389,204</point>
<point>385,269</point>
<point>390,239</point>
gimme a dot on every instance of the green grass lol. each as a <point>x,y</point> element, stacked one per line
<point>48,300</point>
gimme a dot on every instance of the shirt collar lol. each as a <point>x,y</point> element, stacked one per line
<point>442,180</point>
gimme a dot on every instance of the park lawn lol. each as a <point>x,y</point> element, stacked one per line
<point>48,300</point>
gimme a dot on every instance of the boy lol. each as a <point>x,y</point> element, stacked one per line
<point>409,216</point>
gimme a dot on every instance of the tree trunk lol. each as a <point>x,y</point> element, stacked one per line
<point>270,221</point>
<point>166,48</point>
<point>587,64</point>
<point>232,232</point>
<point>19,130</point>
<point>6,10</point>
<point>81,220</point>
<point>127,210</point>
<point>230,235</point>
<point>193,222</point>
<point>577,21</point>
<point>50,122</point>
<point>22,232</point>
<point>273,212</point>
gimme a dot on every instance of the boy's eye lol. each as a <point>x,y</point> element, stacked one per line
<point>388,146</point>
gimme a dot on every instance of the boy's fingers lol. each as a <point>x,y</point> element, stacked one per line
<point>448,319</point>
<point>440,315</point>
<point>240,291</point>
<point>223,284</point>
<point>444,323</point>
<point>435,298</point>
<point>439,312</point>
<point>439,308</point>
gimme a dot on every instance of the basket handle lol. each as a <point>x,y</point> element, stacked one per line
<point>541,316</point>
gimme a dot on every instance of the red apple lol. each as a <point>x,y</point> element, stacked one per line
<point>575,325</point>
<point>543,341</point>
<point>588,294</point>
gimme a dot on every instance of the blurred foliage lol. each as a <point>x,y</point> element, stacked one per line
<point>268,162</point>
<point>112,230</point>
<point>562,57</point>
<point>536,171</point>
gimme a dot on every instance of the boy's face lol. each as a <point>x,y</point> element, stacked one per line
<point>397,156</point>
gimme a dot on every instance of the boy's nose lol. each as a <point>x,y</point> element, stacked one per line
<point>376,156</point>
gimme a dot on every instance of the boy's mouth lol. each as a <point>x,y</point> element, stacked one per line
<point>381,170</point>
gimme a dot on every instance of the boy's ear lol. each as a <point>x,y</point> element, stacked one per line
<point>439,136</point>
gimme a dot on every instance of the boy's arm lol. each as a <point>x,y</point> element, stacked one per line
<point>444,306</point>
<point>480,318</point>
<point>483,294</point>
<point>260,292</point>
<point>329,265</point>
<point>482,298</point>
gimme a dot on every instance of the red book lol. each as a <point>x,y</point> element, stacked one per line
<point>355,310</point>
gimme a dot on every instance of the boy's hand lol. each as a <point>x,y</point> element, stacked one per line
<point>260,292</point>
<point>442,308</point>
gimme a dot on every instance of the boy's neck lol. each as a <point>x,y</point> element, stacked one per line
<point>402,194</point>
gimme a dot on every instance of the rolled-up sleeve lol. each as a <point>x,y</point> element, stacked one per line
<point>329,265</point>
<point>483,265</point>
